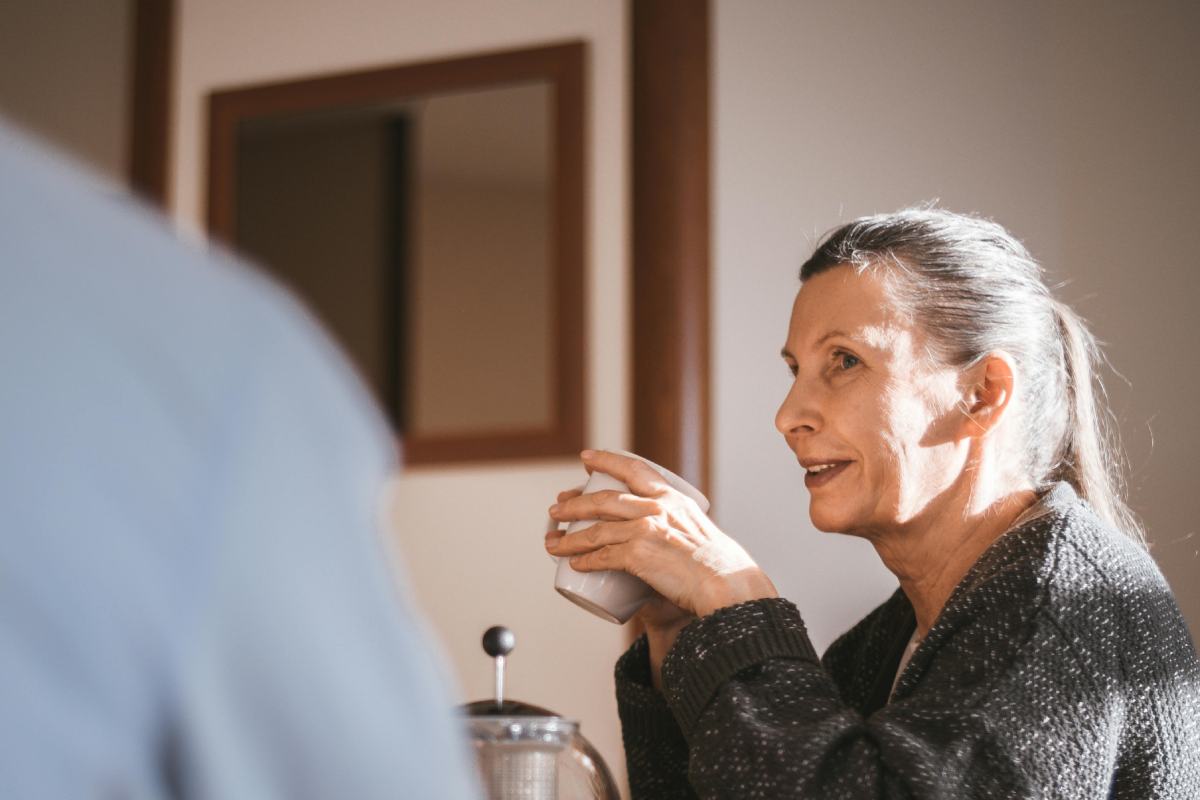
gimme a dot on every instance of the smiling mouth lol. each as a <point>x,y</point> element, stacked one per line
<point>821,474</point>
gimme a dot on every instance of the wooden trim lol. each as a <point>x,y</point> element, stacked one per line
<point>671,235</point>
<point>561,64</point>
<point>569,206</point>
<point>486,447</point>
<point>150,100</point>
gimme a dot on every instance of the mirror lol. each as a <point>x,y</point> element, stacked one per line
<point>431,216</point>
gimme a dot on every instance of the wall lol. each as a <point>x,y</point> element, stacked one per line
<point>1073,126</point>
<point>64,74</point>
<point>494,320</point>
<point>1126,90</point>
<point>471,536</point>
<point>481,263</point>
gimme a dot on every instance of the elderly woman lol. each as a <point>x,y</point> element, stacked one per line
<point>941,408</point>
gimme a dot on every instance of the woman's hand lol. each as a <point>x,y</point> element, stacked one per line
<point>659,535</point>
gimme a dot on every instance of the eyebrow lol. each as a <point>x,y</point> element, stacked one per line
<point>783,351</point>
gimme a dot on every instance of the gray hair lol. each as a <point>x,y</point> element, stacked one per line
<point>974,289</point>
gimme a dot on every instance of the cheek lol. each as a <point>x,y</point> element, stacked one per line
<point>903,422</point>
<point>922,454</point>
<point>862,422</point>
<point>907,420</point>
<point>874,421</point>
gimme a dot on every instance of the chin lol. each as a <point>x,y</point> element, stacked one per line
<point>827,520</point>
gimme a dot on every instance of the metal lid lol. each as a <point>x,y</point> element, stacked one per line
<point>508,708</point>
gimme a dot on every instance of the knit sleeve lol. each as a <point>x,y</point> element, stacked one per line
<point>656,754</point>
<point>763,718</point>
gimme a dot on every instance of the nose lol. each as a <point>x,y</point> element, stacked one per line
<point>799,413</point>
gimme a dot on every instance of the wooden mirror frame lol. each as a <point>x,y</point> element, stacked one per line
<point>562,66</point>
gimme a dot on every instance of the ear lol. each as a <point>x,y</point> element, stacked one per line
<point>990,388</point>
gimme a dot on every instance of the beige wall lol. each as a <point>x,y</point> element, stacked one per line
<point>481,264</point>
<point>1074,127</point>
<point>1126,102</point>
<point>64,74</point>
<point>499,326</point>
<point>471,536</point>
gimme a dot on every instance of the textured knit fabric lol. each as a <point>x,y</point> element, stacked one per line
<point>1059,668</point>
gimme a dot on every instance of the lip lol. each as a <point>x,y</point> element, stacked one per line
<point>819,479</point>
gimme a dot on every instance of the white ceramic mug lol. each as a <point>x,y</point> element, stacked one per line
<point>613,595</point>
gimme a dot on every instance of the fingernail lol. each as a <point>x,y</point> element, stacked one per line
<point>588,454</point>
<point>554,508</point>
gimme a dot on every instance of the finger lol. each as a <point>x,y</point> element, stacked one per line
<point>609,557</point>
<point>552,523</point>
<point>640,477</point>
<point>604,505</point>
<point>569,493</point>
<point>602,534</point>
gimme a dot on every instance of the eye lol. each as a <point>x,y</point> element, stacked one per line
<point>792,369</point>
<point>844,360</point>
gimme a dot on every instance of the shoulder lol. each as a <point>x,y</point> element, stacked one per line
<point>185,381</point>
<point>1071,578</point>
<point>101,279</point>
<point>1107,596</point>
<point>1066,558</point>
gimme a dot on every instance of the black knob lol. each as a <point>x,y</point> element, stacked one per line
<point>498,641</point>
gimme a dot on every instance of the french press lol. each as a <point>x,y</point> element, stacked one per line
<point>525,752</point>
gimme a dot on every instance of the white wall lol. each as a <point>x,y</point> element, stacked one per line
<point>471,536</point>
<point>1075,127</point>
<point>1126,103</point>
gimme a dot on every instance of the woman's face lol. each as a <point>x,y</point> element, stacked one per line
<point>872,420</point>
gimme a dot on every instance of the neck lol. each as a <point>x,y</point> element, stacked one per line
<point>931,553</point>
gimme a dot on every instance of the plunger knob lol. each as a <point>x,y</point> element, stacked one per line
<point>498,641</point>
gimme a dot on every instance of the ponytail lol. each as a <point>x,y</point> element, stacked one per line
<point>1090,455</point>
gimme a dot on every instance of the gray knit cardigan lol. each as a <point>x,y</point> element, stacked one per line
<point>1060,667</point>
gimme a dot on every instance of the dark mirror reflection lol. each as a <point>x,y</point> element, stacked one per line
<point>420,232</point>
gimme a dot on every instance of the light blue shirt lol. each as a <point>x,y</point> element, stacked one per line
<point>194,594</point>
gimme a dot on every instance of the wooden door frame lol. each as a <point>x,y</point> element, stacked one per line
<point>671,235</point>
<point>151,74</point>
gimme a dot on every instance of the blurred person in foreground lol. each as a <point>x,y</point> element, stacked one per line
<point>195,599</point>
<point>942,407</point>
